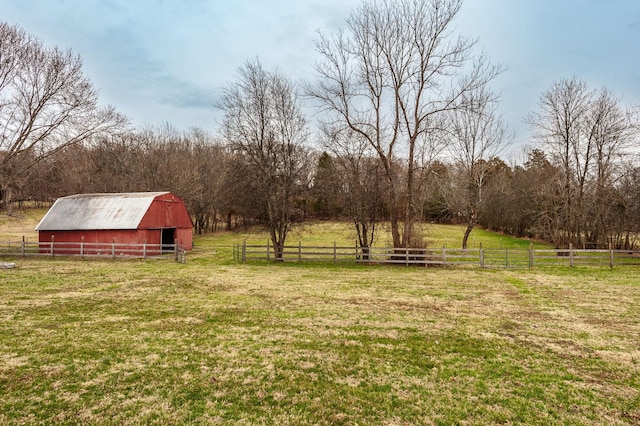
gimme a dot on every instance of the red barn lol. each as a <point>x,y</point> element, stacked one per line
<point>135,218</point>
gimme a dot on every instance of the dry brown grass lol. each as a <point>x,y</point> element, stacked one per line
<point>210,343</point>
<point>21,224</point>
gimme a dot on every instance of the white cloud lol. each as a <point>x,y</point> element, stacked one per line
<point>166,60</point>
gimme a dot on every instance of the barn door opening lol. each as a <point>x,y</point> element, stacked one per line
<point>168,239</point>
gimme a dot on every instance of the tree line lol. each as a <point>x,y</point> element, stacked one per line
<point>408,132</point>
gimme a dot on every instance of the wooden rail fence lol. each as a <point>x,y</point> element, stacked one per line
<point>113,250</point>
<point>482,257</point>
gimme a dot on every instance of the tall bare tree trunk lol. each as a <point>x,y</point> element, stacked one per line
<point>390,77</point>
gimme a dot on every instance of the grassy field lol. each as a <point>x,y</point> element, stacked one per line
<point>23,224</point>
<point>326,233</point>
<point>214,342</point>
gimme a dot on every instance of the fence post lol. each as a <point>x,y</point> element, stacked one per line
<point>245,241</point>
<point>481,256</point>
<point>244,251</point>
<point>610,256</point>
<point>52,243</point>
<point>334,253</point>
<point>82,247</point>
<point>22,247</point>
<point>571,255</point>
<point>444,255</point>
<point>406,256</point>
<point>531,255</point>
<point>299,251</point>
<point>113,248</point>
<point>506,258</point>
<point>144,249</point>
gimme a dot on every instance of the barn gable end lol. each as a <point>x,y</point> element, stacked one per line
<point>168,211</point>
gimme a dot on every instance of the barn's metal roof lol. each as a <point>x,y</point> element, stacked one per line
<point>98,211</point>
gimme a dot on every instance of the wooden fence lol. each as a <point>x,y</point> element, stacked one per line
<point>482,257</point>
<point>113,250</point>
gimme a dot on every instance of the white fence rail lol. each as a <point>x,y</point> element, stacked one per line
<point>482,257</point>
<point>113,250</point>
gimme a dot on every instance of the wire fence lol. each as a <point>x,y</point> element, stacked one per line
<point>482,257</point>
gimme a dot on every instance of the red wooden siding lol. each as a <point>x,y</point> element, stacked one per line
<point>125,236</point>
<point>166,211</point>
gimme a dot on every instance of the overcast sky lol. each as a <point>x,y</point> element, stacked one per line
<point>165,60</point>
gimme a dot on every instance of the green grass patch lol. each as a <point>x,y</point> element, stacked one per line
<point>216,342</point>
<point>102,342</point>
<point>21,223</point>
<point>342,234</point>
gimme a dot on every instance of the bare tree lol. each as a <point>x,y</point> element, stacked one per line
<point>46,104</point>
<point>361,180</point>
<point>628,208</point>
<point>476,133</point>
<point>63,173</point>
<point>190,164</point>
<point>264,123</point>
<point>388,79</point>
<point>587,133</point>
<point>211,159</point>
<point>559,124</point>
<point>610,130</point>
